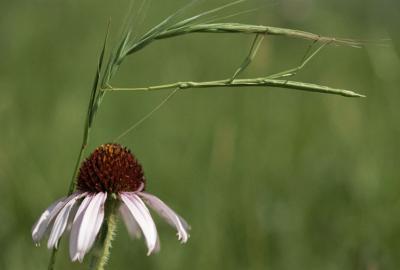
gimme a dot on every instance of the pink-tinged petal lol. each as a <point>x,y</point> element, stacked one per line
<point>72,215</point>
<point>88,223</point>
<point>168,214</point>
<point>73,241</point>
<point>61,221</point>
<point>40,227</point>
<point>142,216</point>
<point>130,223</point>
<point>98,222</point>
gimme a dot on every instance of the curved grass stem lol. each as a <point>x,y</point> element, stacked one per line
<point>255,29</point>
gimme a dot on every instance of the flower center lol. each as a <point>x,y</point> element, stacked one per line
<point>111,168</point>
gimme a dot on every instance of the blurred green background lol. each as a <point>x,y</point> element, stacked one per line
<point>267,178</point>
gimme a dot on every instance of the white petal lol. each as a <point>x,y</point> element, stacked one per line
<point>98,222</point>
<point>130,222</point>
<point>168,214</point>
<point>87,225</point>
<point>73,241</point>
<point>142,216</point>
<point>61,221</point>
<point>72,215</point>
<point>48,215</point>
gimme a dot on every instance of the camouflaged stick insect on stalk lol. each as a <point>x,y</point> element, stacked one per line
<point>172,27</point>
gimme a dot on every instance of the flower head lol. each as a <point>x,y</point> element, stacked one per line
<point>111,171</point>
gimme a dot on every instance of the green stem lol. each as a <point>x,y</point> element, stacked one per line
<point>78,162</point>
<point>101,251</point>
<point>52,259</point>
<point>71,188</point>
<point>253,29</point>
<point>91,113</point>
<point>237,28</point>
<point>263,81</point>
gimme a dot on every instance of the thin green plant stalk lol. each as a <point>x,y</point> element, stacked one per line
<point>218,28</point>
<point>90,116</point>
<point>71,189</point>
<point>238,28</point>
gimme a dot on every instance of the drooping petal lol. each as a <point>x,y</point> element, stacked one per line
<point>130,223</point>
<point>72,215</point>
<point>168,214</point>
<point>73,241</point>
<point>141,214</point>
<point>86,225</point>
<point>40,227</point>
<point>62,218</point>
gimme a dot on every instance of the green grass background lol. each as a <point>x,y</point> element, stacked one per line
<point>267,178</point>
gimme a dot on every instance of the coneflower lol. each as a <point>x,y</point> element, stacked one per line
<point>111,174</point>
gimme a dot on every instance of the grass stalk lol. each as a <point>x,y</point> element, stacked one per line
<point>218,28</point>
<point>90,116</point>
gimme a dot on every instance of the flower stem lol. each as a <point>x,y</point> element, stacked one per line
<point>101,251</point>
<point>52,259</point>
